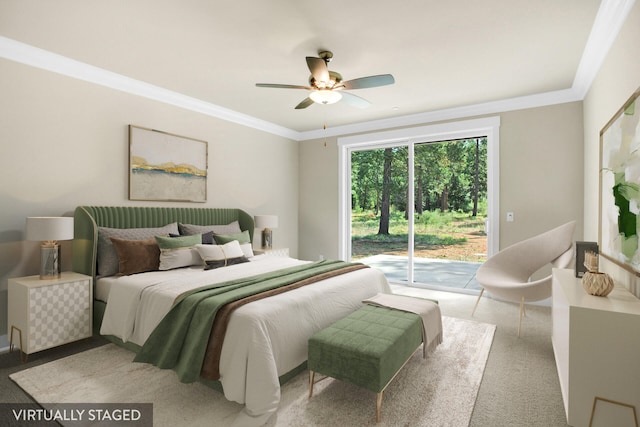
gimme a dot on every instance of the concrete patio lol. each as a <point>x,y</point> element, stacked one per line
<point>444,274</point>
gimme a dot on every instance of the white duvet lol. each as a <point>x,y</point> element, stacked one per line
<point>265,339</point>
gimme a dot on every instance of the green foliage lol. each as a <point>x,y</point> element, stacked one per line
<point>450,195</point>
<point>446,176</point>
<point>434,219</point>
<point>432,229</point>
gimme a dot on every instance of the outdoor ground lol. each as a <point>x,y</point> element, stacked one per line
<point>462,238</point>
<point>474,249</point>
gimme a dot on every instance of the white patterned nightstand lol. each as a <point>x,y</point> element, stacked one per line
<point>272,252</point>
<point>47,313</point>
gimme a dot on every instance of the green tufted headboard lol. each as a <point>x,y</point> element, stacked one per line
<point>87,219</point>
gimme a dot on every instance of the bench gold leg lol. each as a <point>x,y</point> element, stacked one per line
<point>379,407</point>
<point>311,377</point>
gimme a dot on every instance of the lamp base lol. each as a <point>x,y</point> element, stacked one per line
<point>267,238</point>
<point>49,261</point>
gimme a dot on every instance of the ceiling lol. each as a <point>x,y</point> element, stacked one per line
<point>443,55</point>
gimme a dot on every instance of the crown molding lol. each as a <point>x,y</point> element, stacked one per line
<point>43,59</point>
<point>609,20</point>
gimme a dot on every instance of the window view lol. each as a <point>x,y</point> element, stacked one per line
<point>446,241</point>
<point>379,226</point>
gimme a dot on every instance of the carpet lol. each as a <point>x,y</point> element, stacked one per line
<point>438,391</point>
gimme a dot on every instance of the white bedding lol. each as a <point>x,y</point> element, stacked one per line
<point>265,339</point>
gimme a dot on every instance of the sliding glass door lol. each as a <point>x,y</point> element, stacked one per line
<point>450,213</point>
<point>419,210</point>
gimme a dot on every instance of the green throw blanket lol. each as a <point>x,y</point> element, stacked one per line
<point>180,340</point>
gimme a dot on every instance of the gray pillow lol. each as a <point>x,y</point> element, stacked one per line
<point>108,262</point>
<point>189,229</point>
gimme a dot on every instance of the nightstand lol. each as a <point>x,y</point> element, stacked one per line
<point>48,313</point>
<point>284,252</point>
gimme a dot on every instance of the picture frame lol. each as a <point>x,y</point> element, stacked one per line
<point>619,201</point>
<point>166,167</point>
<point>581,249</point>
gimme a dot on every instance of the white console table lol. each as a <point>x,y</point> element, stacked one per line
<point>596,341</point>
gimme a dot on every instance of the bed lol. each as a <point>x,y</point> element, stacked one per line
<point>265,341</point>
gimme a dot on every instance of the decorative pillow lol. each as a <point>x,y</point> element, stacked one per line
<point>242,237</point>
<point>108,263</point>
<point>247,249</point>
<point>207,238</point>
<point>216,256</point>
<point>176,252</point>
<point>136,256</point>
<point>189,229</point>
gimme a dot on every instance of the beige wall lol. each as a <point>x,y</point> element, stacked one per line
<point>540,178</point>
<point>64,143</point>
<point>318,211</point>
<point>540,170</point>
<point>618,78</point>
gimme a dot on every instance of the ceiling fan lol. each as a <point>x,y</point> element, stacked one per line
<point>327,87</point>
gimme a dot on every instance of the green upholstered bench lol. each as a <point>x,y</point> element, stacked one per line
<point>367,348</point>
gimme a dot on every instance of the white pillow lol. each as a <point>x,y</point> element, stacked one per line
<point>247,249</point>
<point>215,256</point>
<point>176,258</point>
<point>210,252</point>
<point>176,252</point>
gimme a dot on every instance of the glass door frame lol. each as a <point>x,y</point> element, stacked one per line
<point>486,127</point>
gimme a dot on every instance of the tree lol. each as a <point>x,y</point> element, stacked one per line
<point>366,179</point>
<point>386,192</point>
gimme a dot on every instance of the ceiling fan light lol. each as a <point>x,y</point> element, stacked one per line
<point>325,96</point>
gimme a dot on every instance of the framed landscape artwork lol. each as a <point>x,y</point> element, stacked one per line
<point>166,167</point>
<point>620,187</point>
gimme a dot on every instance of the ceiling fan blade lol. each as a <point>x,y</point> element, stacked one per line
<point>304,104</point>
<point>354,100</point>
<point>279,86</point>
<point>370,81</point>
<point>318,69</point>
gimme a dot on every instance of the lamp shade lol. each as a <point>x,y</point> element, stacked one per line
<point>49,228</point>
<point>325,96</point>
<point>266,221</point>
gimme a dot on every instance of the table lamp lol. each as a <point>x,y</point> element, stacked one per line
<point>266,223</point>
<point>49,230</point>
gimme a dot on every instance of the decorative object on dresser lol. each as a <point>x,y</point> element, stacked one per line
<point>166,167</point>
<point>619,180</point>
<point>49,230</point>
<point>581,248</point>
<point>594,282</point>
<point>266,223</point>
<point>48,313</point>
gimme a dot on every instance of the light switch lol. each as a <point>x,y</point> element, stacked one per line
<point>509,216</point>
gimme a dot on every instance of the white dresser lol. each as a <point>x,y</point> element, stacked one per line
<point>596,341</point>
<point>47,313</point>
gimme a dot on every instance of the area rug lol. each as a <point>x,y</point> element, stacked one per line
<point>438,391</point>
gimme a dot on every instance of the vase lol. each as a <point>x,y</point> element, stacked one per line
<point>596,283</point>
